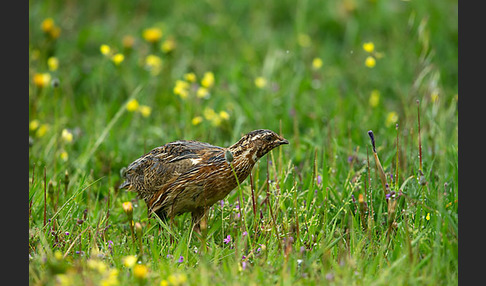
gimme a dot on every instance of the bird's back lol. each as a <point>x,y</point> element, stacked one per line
<point>162,165</point>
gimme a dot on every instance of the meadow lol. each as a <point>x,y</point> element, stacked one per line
<point>110,80</point>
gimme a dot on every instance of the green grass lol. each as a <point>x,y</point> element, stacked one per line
<point>310,226</point>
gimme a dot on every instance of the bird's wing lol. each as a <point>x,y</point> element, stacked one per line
<point>153,170</point>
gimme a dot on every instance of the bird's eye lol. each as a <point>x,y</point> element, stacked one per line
<point>268,138</point>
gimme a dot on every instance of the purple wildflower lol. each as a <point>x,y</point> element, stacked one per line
<point>181,259</point>
<point>227,239</point>
<point>302,249</point>
<point>244,233</point>
<point>390,195</point>
<point>319,179</point>
<point>110,244</point>
<point>330,276</point>
<point>243,265</point>
<point>66,233</point>
<point>221,203</point>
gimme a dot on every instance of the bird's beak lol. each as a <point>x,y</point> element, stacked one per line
<point>283,141</point>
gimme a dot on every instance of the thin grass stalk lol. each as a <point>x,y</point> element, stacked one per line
<point>229,159</point>
<point>252,188</point>
<point>397,158</point>
<point>45,195</point>
<point>419,137</point>
<point>271,211</point>
<point>66,182</point>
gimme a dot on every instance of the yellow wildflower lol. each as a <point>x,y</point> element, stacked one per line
<point>207,80</point>
<point>428,216</point>
<point>64,279</point>
<point>42,130</point>
<point>58,255</point>
<point>145,110</point>
<point>202,92</point>
<point>216,121</point>
<point>152,35</point>
<point>64,156</point>
<point>181,88</point>
<point>224,115</point>
<point>316,63</point>
<point>34,124</point>
<point>127,207</point>
<point>140,271</point>
<point>117,59</point>
<point>260,82</point>
<point>370,62</point>
<point>369,47</point>
<point>434,96</point>
<point>168,45</point>
<point>177,279</point>
<point>47,25</point>
<point>67,136</point>
<point>304,40</point>
<point>97,265</point>
<point>196,120</point>
<point>391,118</point>
<point>52,63</point>
<point>111,278</point>
<point>42,79</point>
<point>153,63</point>
<point>374,98</point>
<point>164,283</point>
<point>132,105</point>
<point>129,261</point>
<point>209,113</point>
<point>105,49</point>
<point>190,77</point>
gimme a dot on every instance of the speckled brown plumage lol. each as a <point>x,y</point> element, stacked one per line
<point>190,176</point>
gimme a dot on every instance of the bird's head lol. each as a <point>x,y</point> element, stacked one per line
<point>258,143</point>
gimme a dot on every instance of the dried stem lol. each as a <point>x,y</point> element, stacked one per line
<point>392,203</point>
<point>369,184</point>
<point>384,183</point>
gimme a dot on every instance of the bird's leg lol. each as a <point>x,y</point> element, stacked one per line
<point>199,221</point>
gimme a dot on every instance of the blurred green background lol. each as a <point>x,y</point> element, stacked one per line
<point>322,73</point>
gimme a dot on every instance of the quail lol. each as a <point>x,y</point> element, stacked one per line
<point>190,176</point>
